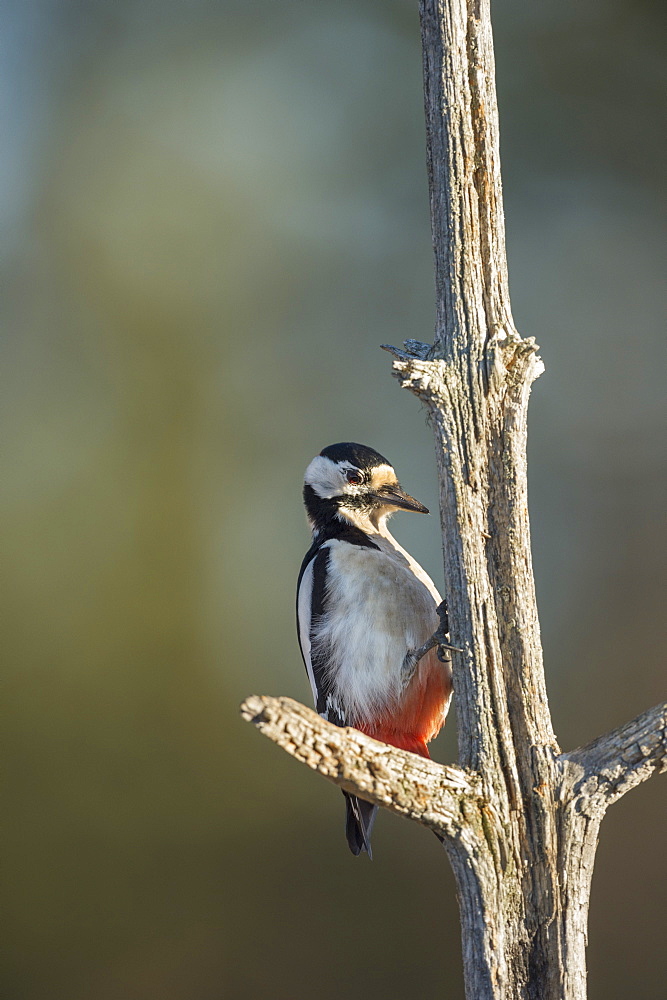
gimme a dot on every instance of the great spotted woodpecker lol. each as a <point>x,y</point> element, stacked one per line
<point>364,607</point>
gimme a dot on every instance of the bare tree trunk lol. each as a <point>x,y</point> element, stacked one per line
<point>519,819</point>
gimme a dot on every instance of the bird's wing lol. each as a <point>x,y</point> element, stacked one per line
<point>310,606</point>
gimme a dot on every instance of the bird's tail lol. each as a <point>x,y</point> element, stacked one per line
<point>359,824</point>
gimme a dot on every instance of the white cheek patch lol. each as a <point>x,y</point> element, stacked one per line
<point>327,478</point>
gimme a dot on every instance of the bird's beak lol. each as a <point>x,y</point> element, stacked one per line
<point>394,497</point>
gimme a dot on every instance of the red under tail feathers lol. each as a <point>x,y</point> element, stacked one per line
<point>421,713</point>
<point>404,741</point>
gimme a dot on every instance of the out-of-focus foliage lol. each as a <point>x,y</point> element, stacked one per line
<point>212,214</point>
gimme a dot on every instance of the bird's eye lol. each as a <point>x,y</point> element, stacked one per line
<point>353,477</point>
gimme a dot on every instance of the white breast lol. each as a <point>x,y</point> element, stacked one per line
<point>380,604</point>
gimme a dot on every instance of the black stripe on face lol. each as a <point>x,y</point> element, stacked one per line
<point>328,524</point>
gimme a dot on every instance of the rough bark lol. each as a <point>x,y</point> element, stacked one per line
<point>519,820</point>
<point>524,903</point>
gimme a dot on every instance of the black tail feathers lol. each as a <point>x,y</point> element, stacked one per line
<point>359,824</point>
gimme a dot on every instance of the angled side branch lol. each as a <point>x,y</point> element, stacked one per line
<point>614,763</point>
<point>411,786</point>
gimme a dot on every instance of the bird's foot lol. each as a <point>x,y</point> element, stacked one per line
<point>441,634</point>
<point>440,638</point>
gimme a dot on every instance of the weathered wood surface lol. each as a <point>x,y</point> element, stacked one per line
<point>519,820</point>
<point>452,802</point>
<point>407,784</point>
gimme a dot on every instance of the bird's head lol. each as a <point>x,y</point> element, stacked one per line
<point>354,482</point>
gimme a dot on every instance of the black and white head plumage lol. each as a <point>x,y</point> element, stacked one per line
<point>352,482</point>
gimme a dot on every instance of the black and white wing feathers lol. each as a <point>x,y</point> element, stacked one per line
<point>311,605</point>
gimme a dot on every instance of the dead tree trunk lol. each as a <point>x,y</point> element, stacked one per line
<point>519,819</point>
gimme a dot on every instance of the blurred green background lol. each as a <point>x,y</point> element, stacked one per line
<point>212,215</point>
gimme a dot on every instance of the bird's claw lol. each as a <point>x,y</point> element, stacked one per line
<point>441,635</point>
<point>440,639</point>
<point>443,615</point>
